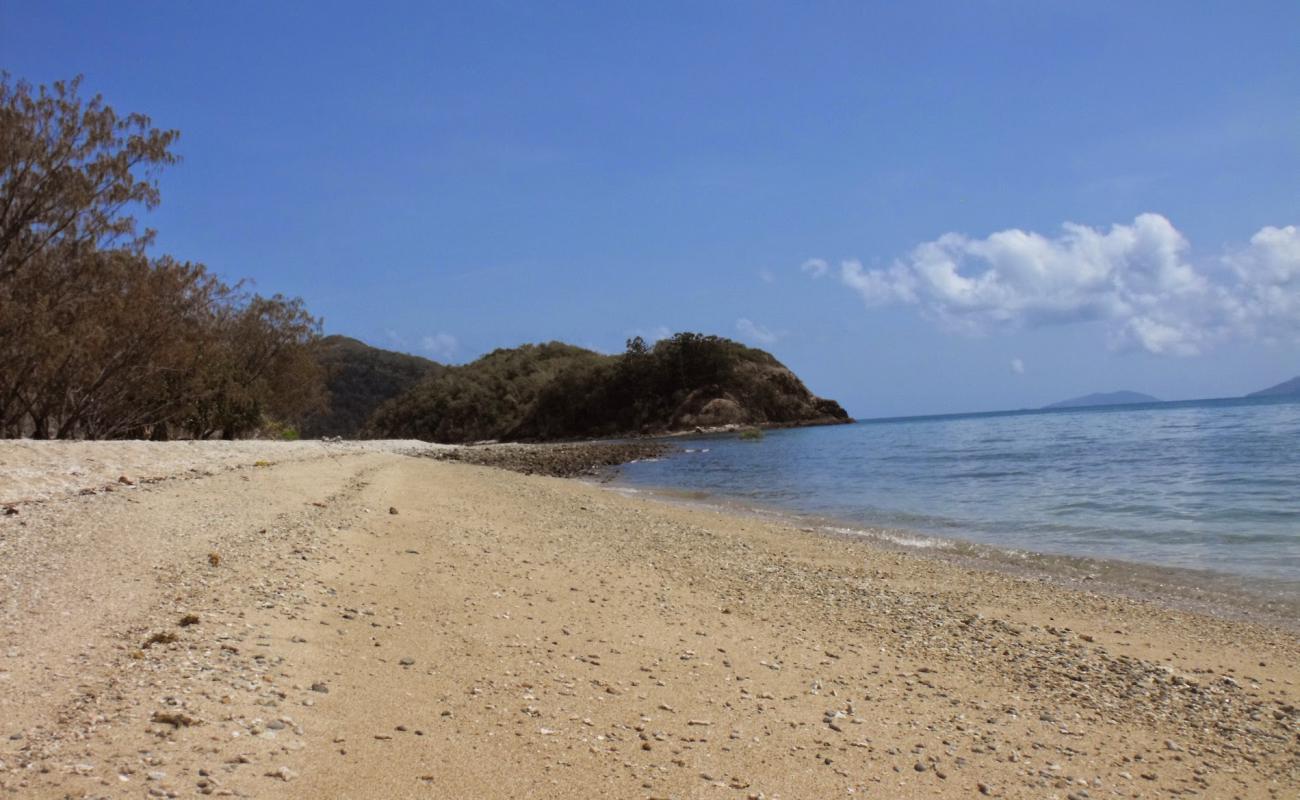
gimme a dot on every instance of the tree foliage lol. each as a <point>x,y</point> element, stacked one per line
<point>97,338</point>
<point>359,378</point>
<point>557,391</point>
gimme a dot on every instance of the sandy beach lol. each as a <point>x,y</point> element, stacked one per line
<point>354,621</point>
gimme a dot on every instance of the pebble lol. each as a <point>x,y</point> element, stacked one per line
<point>283,773</point>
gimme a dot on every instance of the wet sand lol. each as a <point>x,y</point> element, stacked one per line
<point>376,625</point>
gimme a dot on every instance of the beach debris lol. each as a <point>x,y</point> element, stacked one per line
<point>162,637</point>
<point>188,620</point>
<point>125,480</point>
<point>214,559</point>
<point>392,510</point>
<point>176,719</point>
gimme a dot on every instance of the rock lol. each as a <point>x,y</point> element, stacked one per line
<point>125,481</point>
<point>392,510</point>
<point>320,687</point>
<point>283,773</point>
<point>407,662</point>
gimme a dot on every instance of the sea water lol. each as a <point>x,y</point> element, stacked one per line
<point>1202,485</point>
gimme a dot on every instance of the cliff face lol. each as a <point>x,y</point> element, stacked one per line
<point>557,391</point>
<point>757,393</point>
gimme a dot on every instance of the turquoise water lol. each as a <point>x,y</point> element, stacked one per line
<point>1207,485</point>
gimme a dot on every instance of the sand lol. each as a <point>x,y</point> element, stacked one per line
<point>41,470</point>
<point>372,624</point>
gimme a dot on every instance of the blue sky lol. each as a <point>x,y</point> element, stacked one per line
<point>874,192</point>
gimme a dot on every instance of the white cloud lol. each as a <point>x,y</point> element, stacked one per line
<point>442,346</point>
<point>755,332</point>
<point>395,338</point>
<point>1135,277</point>
<point>1268,271</point>
<point>1018,366</point>
<point>767,276</point>
<point>815,267</point>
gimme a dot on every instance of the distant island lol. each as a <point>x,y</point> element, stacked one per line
<point>1121,398</point>
<point>1283,389</point>
<point>538,392</point>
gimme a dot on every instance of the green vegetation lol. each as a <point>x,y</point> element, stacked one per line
<point>558,391</point>
<point>358,378</point>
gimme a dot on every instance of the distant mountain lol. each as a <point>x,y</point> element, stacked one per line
<point>1105,399</point>
<point>1284,389</point>
<point>359,379</point>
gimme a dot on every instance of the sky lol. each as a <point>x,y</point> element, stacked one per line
<point>921,207</point>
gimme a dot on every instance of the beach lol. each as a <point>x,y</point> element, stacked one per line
<point>311,620</point>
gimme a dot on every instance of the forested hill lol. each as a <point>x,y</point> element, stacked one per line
<point>358,378</point>
<point>558,391</point>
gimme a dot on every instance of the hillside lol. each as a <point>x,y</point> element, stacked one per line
<point>1283,389</point>
<point>359,378</point>
<point>558,391</point>
<point>1122,398</point>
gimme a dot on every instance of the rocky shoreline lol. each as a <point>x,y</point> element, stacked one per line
<point>561,460</point>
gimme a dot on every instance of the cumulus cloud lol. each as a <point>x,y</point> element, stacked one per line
<point>755,332</point>
<point>815,267</point>
<point>1137,278</point>
<point>1267,303</point>
<point>442,346</point>
<point>1018,366</point>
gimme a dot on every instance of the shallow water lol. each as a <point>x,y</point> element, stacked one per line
<point>1204,485</point>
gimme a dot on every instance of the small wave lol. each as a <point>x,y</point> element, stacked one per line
<point>902,540</point>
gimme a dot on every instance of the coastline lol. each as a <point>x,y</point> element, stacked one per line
<point>381,625</point>
<point>1217,594</point>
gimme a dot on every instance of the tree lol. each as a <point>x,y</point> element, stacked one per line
<point>70,170</point>
<point>98,339</point>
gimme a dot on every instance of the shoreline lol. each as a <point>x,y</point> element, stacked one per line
<point>1223,595</point>
<point>381,625</point>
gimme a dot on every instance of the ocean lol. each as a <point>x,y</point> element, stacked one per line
<point>1209,485</point>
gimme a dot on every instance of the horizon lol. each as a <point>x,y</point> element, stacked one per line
<point>937,209</point>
